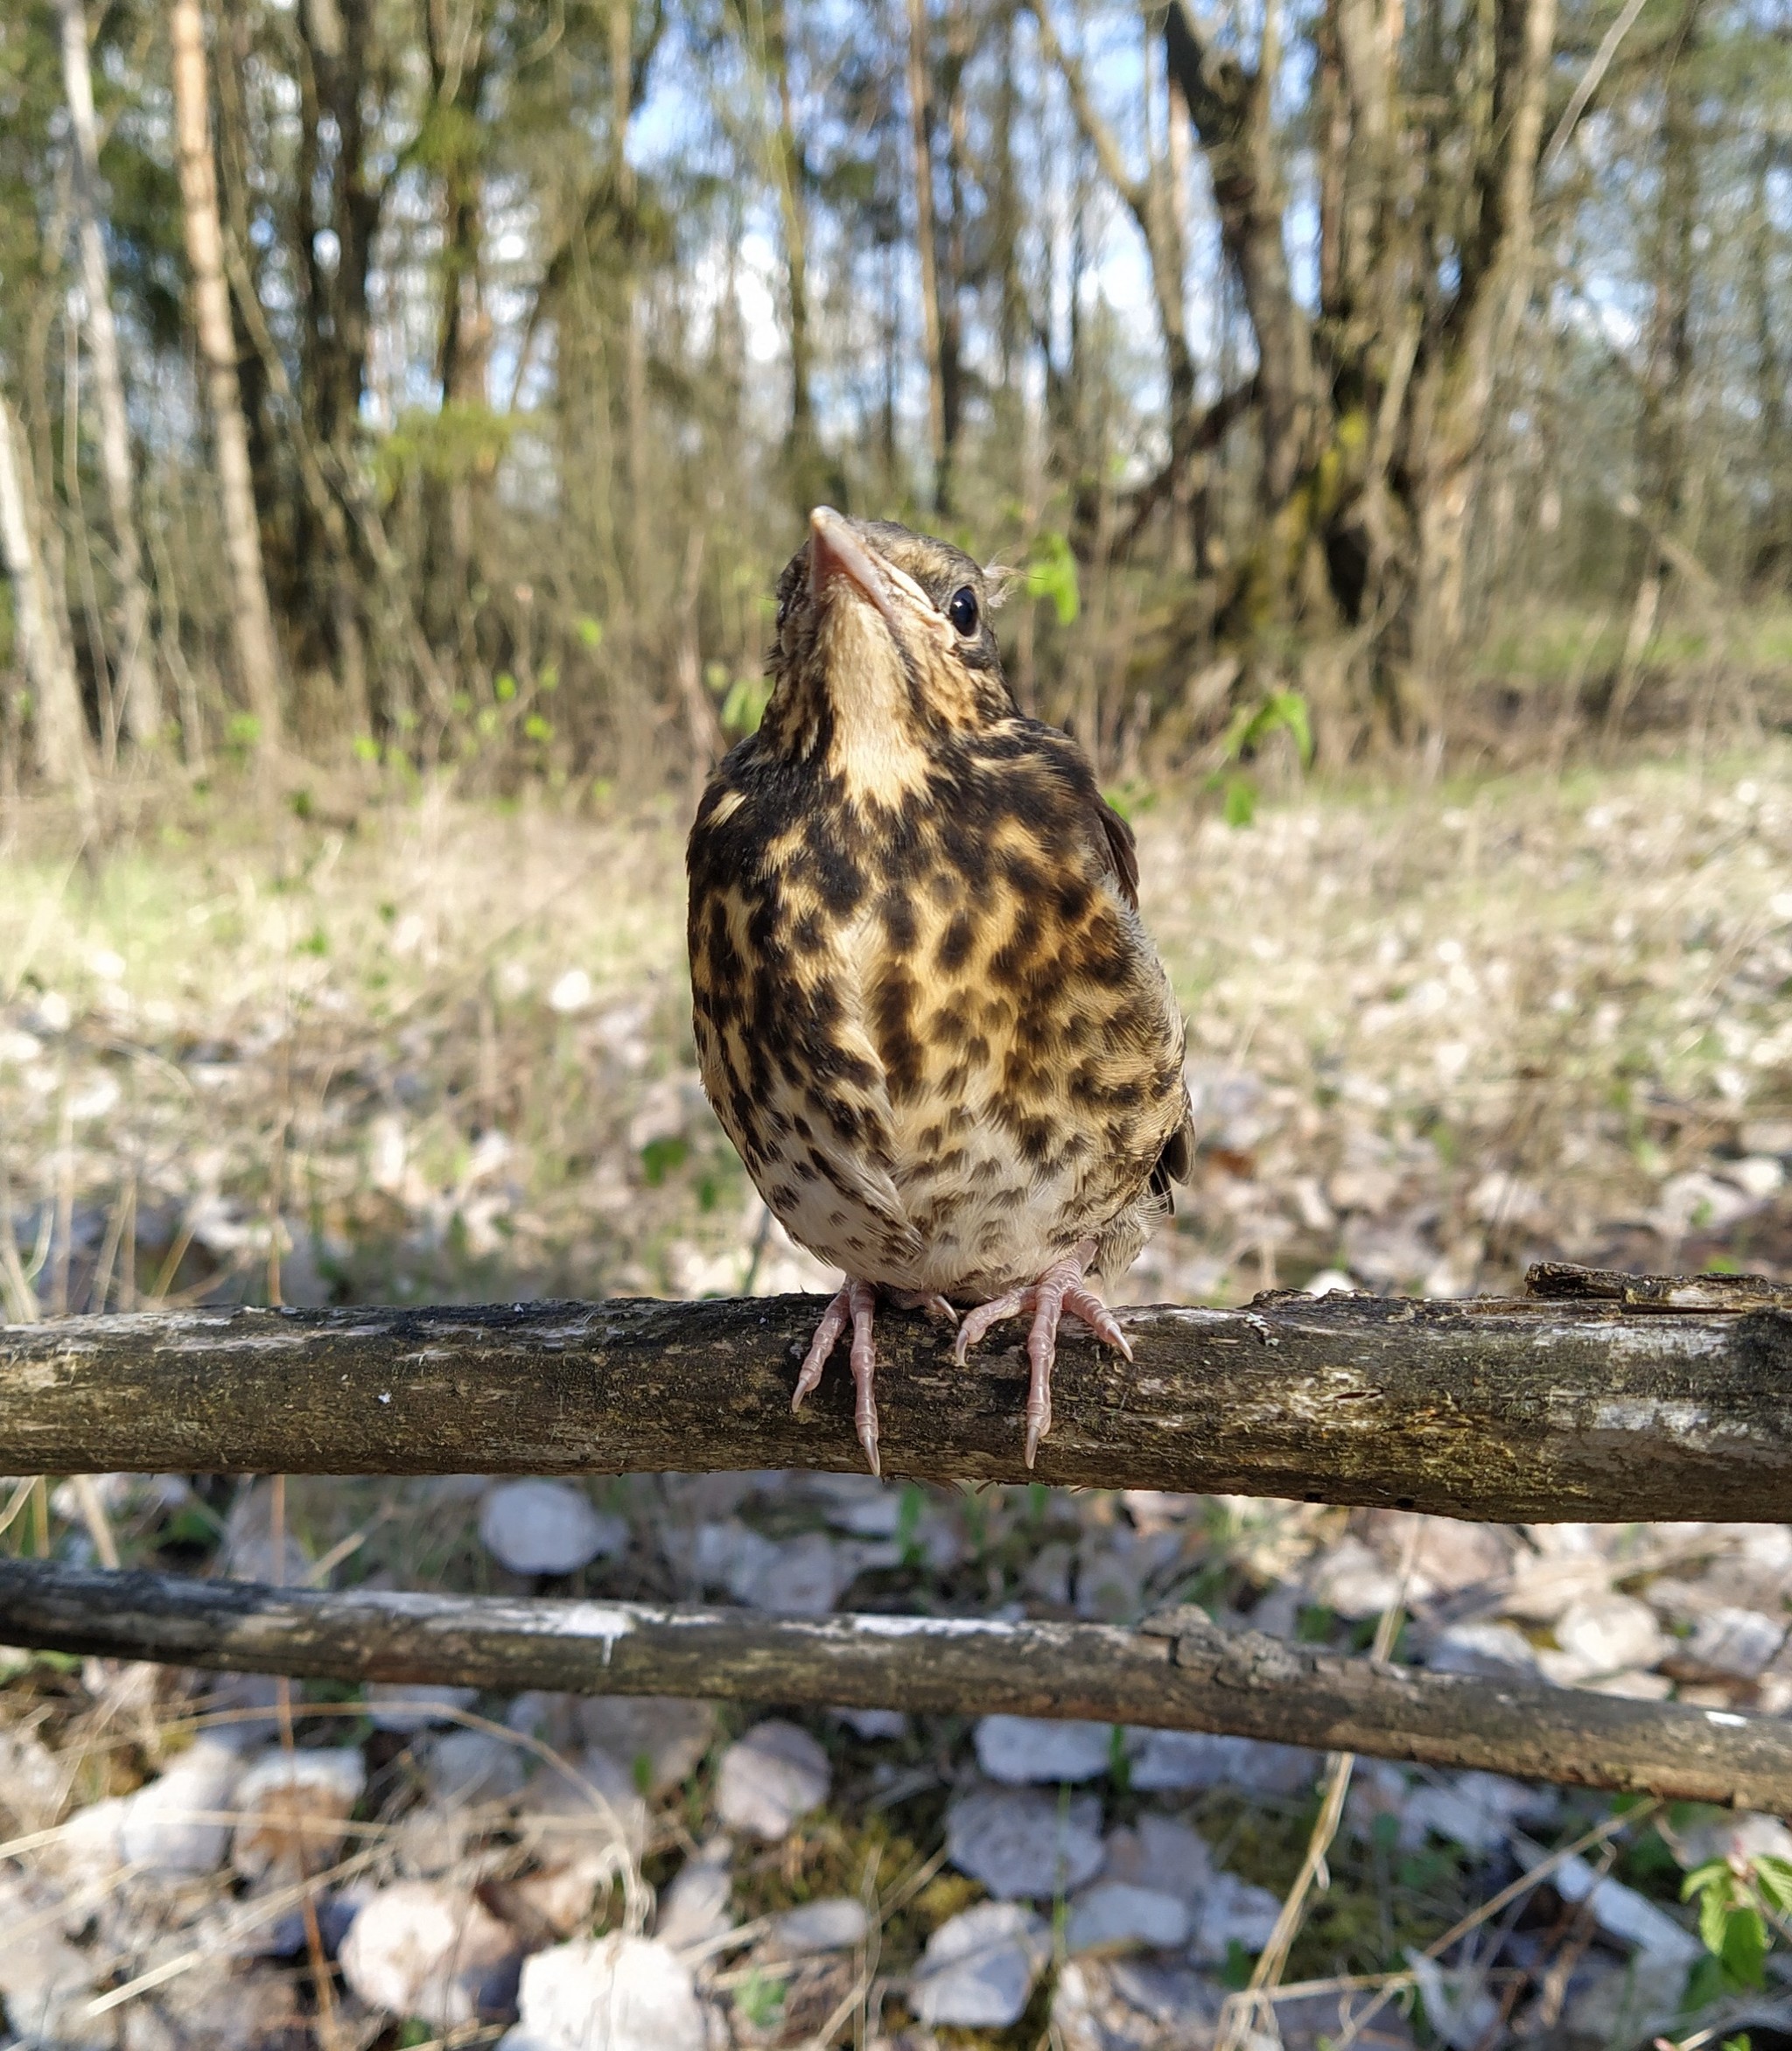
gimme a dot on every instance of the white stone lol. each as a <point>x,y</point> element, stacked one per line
<point>659,1738</point>
<point>1756,1175</point>
<point>872,1726</point>
<point>45,1981</point>
<point>1353,1581</point>
<point>571,991</point>
<point>1476,1811</point>
<point>1741,1641</point>
<point>1620,1911</point>
<point>171,1826</point>
<point>424,1948</point>
<point>799,1577</point>
<point>1489,1650</point>
<point>407,1706</point>
<point>32,1783</point>
<point>292,1806</point>
<point>1019,1750</point>
<point>590,1796</point>
<point>769,1778</point>
<point>470,1767</point>
<point>1165,1760</point>
<point>1635,1684</point>
<point>537,1527</point>
<point>614,1994</point>
<point>563,1893</point>
<point>1458,2005</point>
<point>1607,1633</point>
<point>836,1923</point>
<point>979,1967</point>
<point>1546,1584</point>
<point>1232,1912</point>
<point>695,1908</point>
<point>1161,1853</point>
<point>1022,1844</point>
<point>1115,1915</point>
<point>89,1848</point>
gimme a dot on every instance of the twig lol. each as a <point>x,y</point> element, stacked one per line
<point>1180,1671</point>
<point>1239,2008</point>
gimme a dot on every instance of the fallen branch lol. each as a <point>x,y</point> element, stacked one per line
<point>1180,1671</point>
<point>1589,1407</point>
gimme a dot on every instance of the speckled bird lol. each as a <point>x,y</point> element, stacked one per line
<point>926,1012</point>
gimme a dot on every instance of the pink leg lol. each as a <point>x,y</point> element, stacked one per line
<point>855,1301</point>
<point>1061,1288</point>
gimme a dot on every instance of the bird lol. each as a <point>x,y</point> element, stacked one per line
<point>926,1010</point>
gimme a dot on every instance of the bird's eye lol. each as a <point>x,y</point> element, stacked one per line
<point>962,611</point>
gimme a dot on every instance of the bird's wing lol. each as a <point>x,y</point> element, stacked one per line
<point>1123,850</point>
<point>1117,849</point>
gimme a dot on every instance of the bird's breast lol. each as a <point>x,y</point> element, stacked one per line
<point>945,1057</point>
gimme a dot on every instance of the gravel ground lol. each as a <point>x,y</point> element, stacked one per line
<point>421,1051</point>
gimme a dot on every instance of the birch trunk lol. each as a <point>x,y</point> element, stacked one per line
<point>139,691</point>
<point>42,630</point>
<point>252,620</point>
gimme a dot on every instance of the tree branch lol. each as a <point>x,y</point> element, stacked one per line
<point>1101,138</point>
<point>1538,1409</point>
<point>1180,1671</point>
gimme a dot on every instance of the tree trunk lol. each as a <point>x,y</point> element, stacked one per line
<point>334,42</point>
<point>41,626</point>
<point>252,622</point>
<point>920,115</point>
<point>138,690</point>
<point>1454,403</point>
<point>458,55</point>
<point>803,453</point>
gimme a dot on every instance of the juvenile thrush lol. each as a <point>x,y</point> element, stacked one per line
<point>926,1010</point>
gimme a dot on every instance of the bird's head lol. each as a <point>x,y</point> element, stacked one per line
<point>885,652</point>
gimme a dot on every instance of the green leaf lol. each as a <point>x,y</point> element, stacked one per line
<point>537,728</point>
<point>549,678</point>
<point>1705,1985</point>
<point>759,1998</point>
<point>660,1157</point>
<point>745,705</point>
<point>367,749</point>
<point>590,631</point>
<point>1051,573</point>
<point>1773,1878</point>
<point>1240,801</point>
<point>1746,1946</point>
<point>505,685</point>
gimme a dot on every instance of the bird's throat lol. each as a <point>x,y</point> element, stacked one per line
<point>875,745</point>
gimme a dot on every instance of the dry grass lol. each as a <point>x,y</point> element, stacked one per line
<point>445,1050</point>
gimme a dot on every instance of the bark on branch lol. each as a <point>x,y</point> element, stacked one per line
<point>1571,1406</point>
<point>1180,1672</point>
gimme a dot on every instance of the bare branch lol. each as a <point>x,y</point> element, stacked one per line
<point>1508,1410</point>
<point>1180,1671</point>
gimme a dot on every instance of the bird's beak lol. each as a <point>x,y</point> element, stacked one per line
<point>836,551</point>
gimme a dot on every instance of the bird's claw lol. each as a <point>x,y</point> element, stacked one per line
<point>855,1303</point>
<point>1061,1288</point>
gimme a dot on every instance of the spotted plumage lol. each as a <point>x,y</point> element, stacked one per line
<point>926,1010</point>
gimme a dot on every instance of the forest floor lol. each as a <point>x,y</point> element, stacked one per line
<point>362,1047</point>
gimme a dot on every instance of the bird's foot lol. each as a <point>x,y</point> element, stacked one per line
<point>1060,1289</point>
<point>857,1303</point>
<point>918,1299</point>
